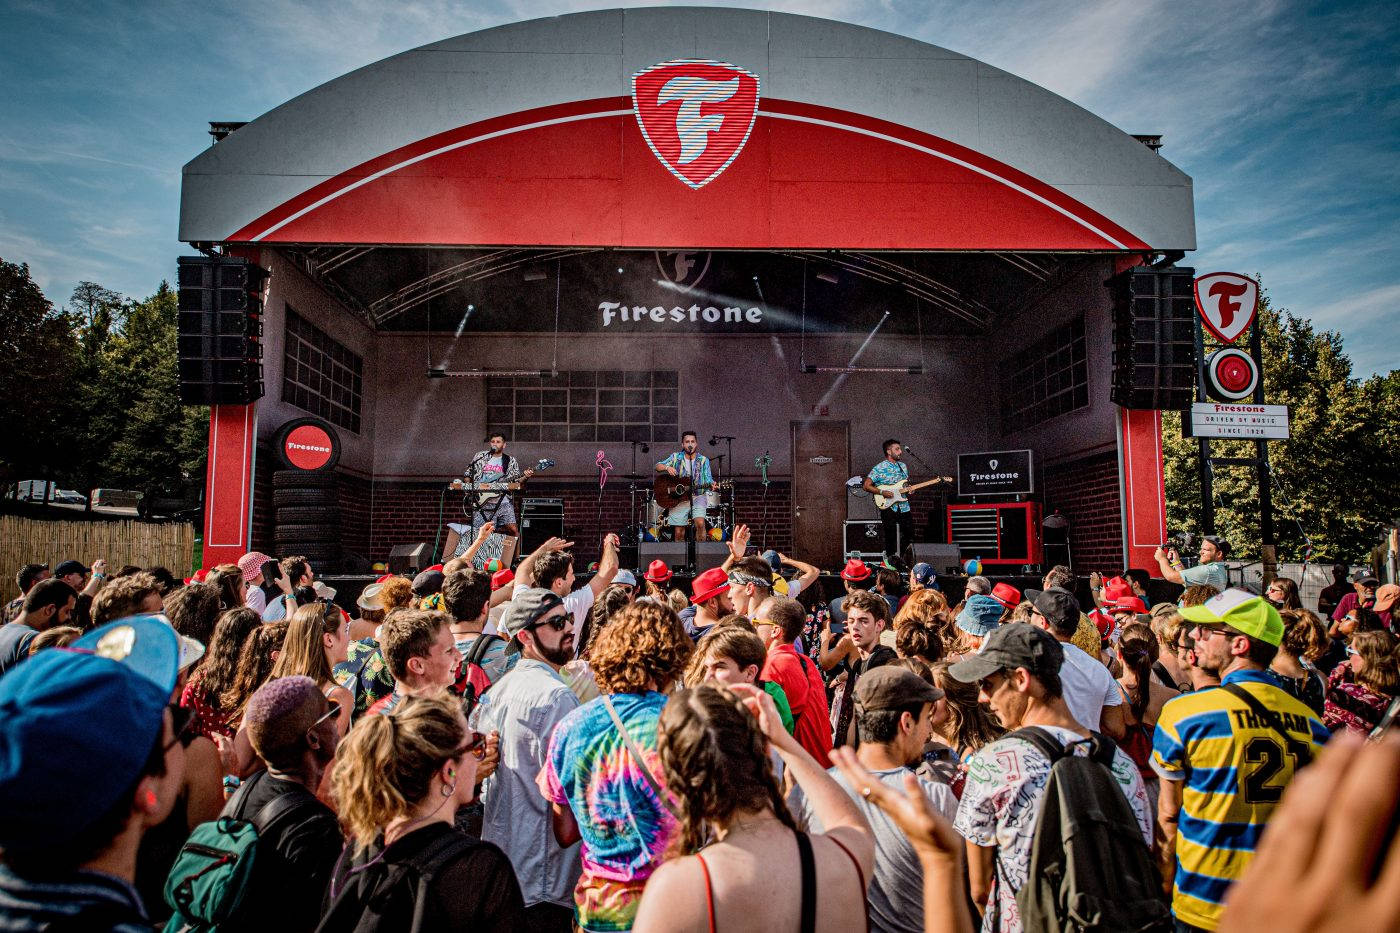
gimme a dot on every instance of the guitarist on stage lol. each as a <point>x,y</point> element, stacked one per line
<point>695,468</point>
<point>897,516</point>
<point>495,467</point>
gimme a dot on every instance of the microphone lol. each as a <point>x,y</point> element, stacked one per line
<point>907,447</point>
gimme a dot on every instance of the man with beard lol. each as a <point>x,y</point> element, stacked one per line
<point>694,468</point>
<point>497,469</point>
<point>524,706</point>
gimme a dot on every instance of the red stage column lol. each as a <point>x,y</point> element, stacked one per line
<point>1141,486</point>
<point>228,491</point>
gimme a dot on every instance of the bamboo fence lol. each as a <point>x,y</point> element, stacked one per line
<point>144,544</point>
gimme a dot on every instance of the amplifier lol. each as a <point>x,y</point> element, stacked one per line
<point>864,539</point>
<point>540,520</point>
<point>544,505</point>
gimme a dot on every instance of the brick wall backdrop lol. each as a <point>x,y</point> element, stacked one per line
<point>376,517</point>
<point>1086,491</point>
<point>263,516</point>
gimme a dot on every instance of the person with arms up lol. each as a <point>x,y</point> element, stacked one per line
<point>1226,755</point>
<point>1209,571</point>
<point>551,567</point>
<point>524,706</point>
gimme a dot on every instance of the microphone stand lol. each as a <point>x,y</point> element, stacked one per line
<point>942,497</point>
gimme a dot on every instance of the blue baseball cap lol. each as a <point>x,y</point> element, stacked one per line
<point>80,723</point>
<point>925,575</point>
<point>773,559</point>
<point>980,615</point>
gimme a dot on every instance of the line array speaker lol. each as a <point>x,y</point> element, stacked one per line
<point>220,308</point>
<point>1154,343</point>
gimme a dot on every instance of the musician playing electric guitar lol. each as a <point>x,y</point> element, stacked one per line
<point>695,469</point>
<point>888,482</point>
<point>499,469</point>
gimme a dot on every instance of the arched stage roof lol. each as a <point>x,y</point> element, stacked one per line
<point>526,135</point>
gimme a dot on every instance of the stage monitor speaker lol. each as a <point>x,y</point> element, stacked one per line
<point>863,538</point>
<point>408,558</point>
<point>220,321</point>
<point>1154,338</point>
<point>538,525</point>
<point>942,557</point>
<point>707,554</point>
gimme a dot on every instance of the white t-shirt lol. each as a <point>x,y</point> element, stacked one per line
<point>255,599</point>
<point>1088,686</point>
<point>1001,804</point>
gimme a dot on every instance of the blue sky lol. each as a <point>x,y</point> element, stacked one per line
<point>1286,114</point>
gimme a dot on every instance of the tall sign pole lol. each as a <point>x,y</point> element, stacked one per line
<point>1203,445</point>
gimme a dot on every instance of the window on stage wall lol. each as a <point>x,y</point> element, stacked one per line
<point>584,406</point>
<point>322,375</point>
<point>1048,378</point>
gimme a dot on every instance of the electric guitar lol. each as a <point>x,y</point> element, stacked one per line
<point>895,493</point>
<point>491,491</point>
<point>671,491</point>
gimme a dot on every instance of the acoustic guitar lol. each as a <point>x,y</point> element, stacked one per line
<point>671,491</point>
<point>895,493</point>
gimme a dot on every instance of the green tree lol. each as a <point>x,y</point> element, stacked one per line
<point>1333,478</point>
<point>36,342</point>
<point>92,416</point>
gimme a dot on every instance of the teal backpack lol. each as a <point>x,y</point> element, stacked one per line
<point>212,871</point>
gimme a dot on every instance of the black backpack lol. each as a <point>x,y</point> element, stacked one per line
<point>381,902</point>
<point>1089,868</point>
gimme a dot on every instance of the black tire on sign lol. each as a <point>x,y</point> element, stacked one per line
<point>305,497</point>
<point>308,515</point>
<point>306,532</point>
<point>279,445</point>
<point>300,479</point>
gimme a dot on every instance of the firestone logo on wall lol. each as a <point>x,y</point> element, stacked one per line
<point>308,447</point>
<point>695,114</point>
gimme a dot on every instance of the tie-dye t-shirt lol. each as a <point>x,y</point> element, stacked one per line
<point>625,829</point>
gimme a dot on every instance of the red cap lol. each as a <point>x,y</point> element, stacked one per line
<point>709,585</point>
<point>658,572</point>
<point>386,578</point>
<point>855,569</point>
<point>437,567</point>
<point>1127,604</point>
<point>501,577</point>
<point>1007,595</point>
<point>200,575</point>
<point>1116,589</point>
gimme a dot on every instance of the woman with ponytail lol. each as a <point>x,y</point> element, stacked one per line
<point>737,850</point>
<point>398,780</point>
<point>1137,648</point>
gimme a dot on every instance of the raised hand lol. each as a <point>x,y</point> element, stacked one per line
<point>931,835</point>
<point>761,705</point>
<point>486,531</point>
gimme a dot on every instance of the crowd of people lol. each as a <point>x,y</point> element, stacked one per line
<point>515,749</point>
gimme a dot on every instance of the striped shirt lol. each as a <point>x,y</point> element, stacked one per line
<point>1234,769</point>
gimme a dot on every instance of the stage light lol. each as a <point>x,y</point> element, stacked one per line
<point>916,370</point>
<point>440,373</point>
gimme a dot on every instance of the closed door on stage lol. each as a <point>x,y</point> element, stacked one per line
<point>821,463</point>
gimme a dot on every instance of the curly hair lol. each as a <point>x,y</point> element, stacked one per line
<point>611,601</point>
<point>1380,671</point>
<point>219,668</point>
<point>643,644</point>
<point>927,605</point>
<point>397,593</point>
<point>716,764</point>
<point>385,766</point>
<point>1197,595</point>
<point>193,611</point>
<point>1304,635</point>
<point>916,638</point>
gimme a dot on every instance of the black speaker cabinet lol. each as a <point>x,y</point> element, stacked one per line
<point>707,554</point>
<point>1154,342</point>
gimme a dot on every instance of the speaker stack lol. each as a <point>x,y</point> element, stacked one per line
<point>1154,355</point>
<point>220,302</point>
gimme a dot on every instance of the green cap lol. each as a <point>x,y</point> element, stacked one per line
<point>1241,610</point>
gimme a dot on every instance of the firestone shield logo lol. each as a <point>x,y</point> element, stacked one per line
<point>1227,303</point>
<point>695,115</point>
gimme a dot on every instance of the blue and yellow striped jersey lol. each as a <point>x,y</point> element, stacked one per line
<point>1234,768</point>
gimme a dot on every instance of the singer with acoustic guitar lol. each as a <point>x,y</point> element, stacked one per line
<point>888,482</point>
<point>691,471</point>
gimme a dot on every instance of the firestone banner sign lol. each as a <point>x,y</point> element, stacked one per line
<point>1258,422</point>
<point>997,472</point>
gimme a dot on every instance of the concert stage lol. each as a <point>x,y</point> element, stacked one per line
<point>570,231</point>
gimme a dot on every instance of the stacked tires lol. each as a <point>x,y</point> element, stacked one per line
<point>306,502</point>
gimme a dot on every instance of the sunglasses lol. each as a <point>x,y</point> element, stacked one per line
<point>331,713</point>
<point>558,623</point>
<point>476,745</point>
